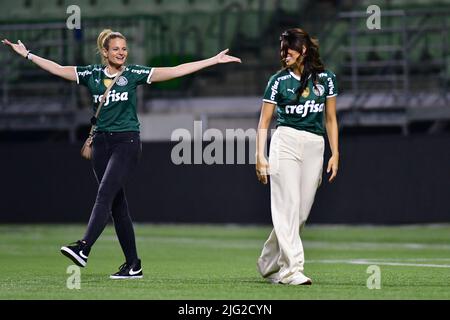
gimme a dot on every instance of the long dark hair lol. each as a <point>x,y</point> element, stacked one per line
<point>295,39</point>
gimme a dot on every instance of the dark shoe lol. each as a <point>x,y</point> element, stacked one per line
<point>77,252</point>
<point>129,271</point>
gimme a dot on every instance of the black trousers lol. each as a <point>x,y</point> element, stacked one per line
<point>115,156</point>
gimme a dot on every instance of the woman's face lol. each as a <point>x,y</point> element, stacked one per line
<point>291,56</point>
<point>117,53</point>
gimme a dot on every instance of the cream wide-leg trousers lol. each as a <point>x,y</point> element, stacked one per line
<point>295,168</point>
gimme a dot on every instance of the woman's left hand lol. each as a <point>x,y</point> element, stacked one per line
<point>222,57</point>
<point>333,165</point>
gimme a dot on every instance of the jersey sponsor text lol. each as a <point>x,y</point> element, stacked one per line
<point>330,86</point>
<point>113,96</point>
<point>274,89</point>
<point>140,71</point>
<point>303,109</point>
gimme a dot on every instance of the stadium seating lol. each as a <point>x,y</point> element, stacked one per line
<point>167,32</point>
<point>403,3</point>
<point>32,10</point>
<point>291,5</point>
<point>21,9</point>
<point>55,10</point>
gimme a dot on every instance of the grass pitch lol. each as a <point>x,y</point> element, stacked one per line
<point>185,262</point>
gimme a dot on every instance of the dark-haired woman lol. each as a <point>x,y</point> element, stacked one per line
<point>116,143</point>
<point>304,94</point>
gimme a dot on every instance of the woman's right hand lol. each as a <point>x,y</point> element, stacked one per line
<point>17,47</point>
<point>262,169</point>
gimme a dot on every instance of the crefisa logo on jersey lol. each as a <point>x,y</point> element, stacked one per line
<point>330,86</point>
<point>274,89</point>
<point>318,90</point>
<point>112,96</point>
<point>310,106</point>
<point>122,81</point>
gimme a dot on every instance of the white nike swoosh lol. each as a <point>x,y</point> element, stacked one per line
<point>82,255</point>
<point>132,273</point>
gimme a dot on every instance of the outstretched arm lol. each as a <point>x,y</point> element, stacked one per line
<point>163,74</point>
<point>68,73</point>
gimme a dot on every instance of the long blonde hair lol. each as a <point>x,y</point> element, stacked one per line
<point>103,41</point>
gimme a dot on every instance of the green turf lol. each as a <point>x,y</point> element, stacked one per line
<point>219,262</point>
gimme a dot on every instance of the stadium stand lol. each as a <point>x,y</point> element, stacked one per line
<point>386,77</point>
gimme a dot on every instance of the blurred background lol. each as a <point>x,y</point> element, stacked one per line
<point>393,107</point>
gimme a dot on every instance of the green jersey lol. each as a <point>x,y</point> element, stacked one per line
<point>307,112</point>
<point>119,112</point>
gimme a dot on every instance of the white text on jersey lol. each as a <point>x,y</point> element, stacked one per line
<point>303,109</point>
<point>330,86</point>
<point>113,96</point>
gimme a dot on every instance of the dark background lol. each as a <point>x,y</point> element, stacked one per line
<point>383,179</point>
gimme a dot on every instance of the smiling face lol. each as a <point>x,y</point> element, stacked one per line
<point>290,57</point>
<point>116,52</point>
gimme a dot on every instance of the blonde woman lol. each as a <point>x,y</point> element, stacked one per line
<point>116,142</point>
<point>304,94</point>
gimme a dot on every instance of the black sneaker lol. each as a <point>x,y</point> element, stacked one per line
<point>129,271</point>
<point>77,252</point>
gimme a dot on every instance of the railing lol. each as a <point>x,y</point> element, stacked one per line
<point>392,69</point>
<point>409,36</point>
<point>394,76</point>
<point>31,98</point>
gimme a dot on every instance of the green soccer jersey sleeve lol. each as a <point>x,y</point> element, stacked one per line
<point>141,74</point>
<point>84,74</point>
<point>271,93</point>
<point>331,84</point>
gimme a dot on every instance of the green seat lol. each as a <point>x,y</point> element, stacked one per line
<point>19,10</point>
<point>144,7</point>
<point>206,5</point>
<point>88,9</point>
<point>147,7</point>
<point>7,8</point>
<point>176,6</point>
<point>112,8</point>
<point>54,9</point>
<point>291,5</point>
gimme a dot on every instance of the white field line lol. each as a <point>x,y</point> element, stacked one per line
<point>380,263</point>
<point>413,259</point>
<point>375,245</point>
<point>253,243</point>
